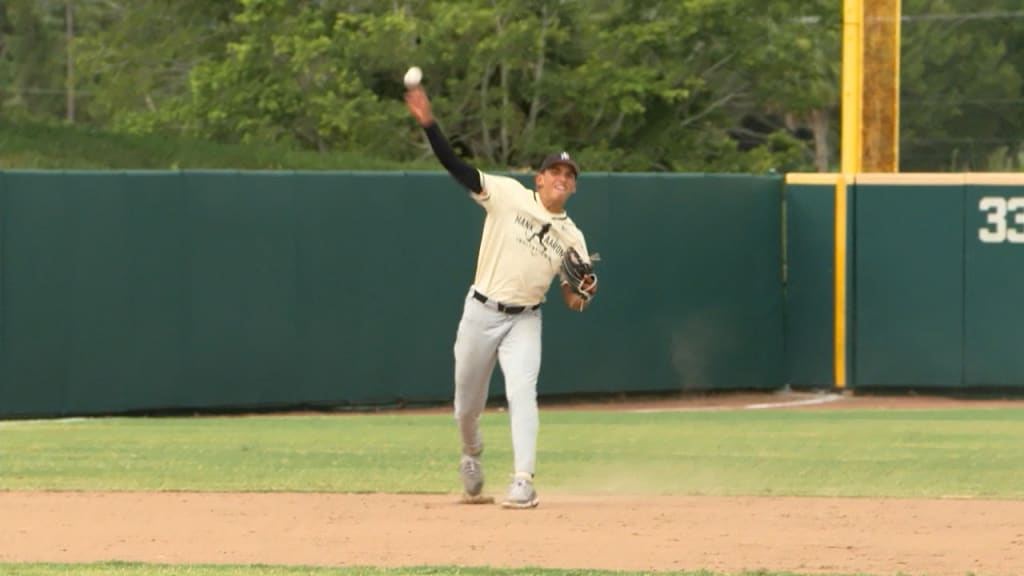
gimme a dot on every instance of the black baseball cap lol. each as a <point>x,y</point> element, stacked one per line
<point>559,158</point>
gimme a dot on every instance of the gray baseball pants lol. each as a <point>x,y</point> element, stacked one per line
<point>486,336</point>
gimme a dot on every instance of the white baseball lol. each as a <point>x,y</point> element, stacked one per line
<point>413,77</point>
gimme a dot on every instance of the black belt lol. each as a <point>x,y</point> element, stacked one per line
<point>504,307</point>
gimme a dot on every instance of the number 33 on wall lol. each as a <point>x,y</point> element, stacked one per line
<point>997,210</point>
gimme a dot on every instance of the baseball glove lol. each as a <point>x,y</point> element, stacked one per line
<point>575,271</point>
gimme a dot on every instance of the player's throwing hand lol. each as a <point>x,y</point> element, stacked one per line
<point>419,105</point>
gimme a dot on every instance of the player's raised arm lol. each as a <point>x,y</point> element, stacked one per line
<point>418,103</point>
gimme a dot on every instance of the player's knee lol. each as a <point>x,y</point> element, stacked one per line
<point>524,395</point>
<point>466,415</point>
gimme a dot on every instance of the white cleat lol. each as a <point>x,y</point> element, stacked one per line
<point>472,473</point>
<point>521,494</point>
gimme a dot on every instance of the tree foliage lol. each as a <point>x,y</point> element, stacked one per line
<point>628,85</point>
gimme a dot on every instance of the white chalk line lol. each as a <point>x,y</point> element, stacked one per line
<point>820,399</point>
<point>13,423</point>
<point>824,399</point>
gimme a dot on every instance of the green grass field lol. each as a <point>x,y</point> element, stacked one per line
<point>976,453</point>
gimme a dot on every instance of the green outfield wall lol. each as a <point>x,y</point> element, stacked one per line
<point>130,292</point>
<point>809,282</point>
<point>993,284</point>
<point>939,272</point>
<point>934,269</point>
<point>908,287</point>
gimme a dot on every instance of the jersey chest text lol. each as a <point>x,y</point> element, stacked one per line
<point>543,238</point>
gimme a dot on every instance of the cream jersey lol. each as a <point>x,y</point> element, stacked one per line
<point>522,244</point>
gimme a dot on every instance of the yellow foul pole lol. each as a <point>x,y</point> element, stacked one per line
<point>851,156</point>
<point>852,84</point>
<point>880,86</point>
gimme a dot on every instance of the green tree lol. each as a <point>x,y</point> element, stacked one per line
<point>134,59</point>
<point>629,84</point>
<point>31,46</point>
<point>638,85</point>
<point>961,85</point>
<point>796,80</point>
<point>295,72</point>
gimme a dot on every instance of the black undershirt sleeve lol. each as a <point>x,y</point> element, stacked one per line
<point>462,172</point>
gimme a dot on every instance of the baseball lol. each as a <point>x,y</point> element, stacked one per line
<point>413,77</point>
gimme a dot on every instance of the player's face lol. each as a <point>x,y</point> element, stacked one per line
<point>555,185</point>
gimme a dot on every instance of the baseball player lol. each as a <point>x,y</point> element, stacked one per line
<point>526,234</point>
